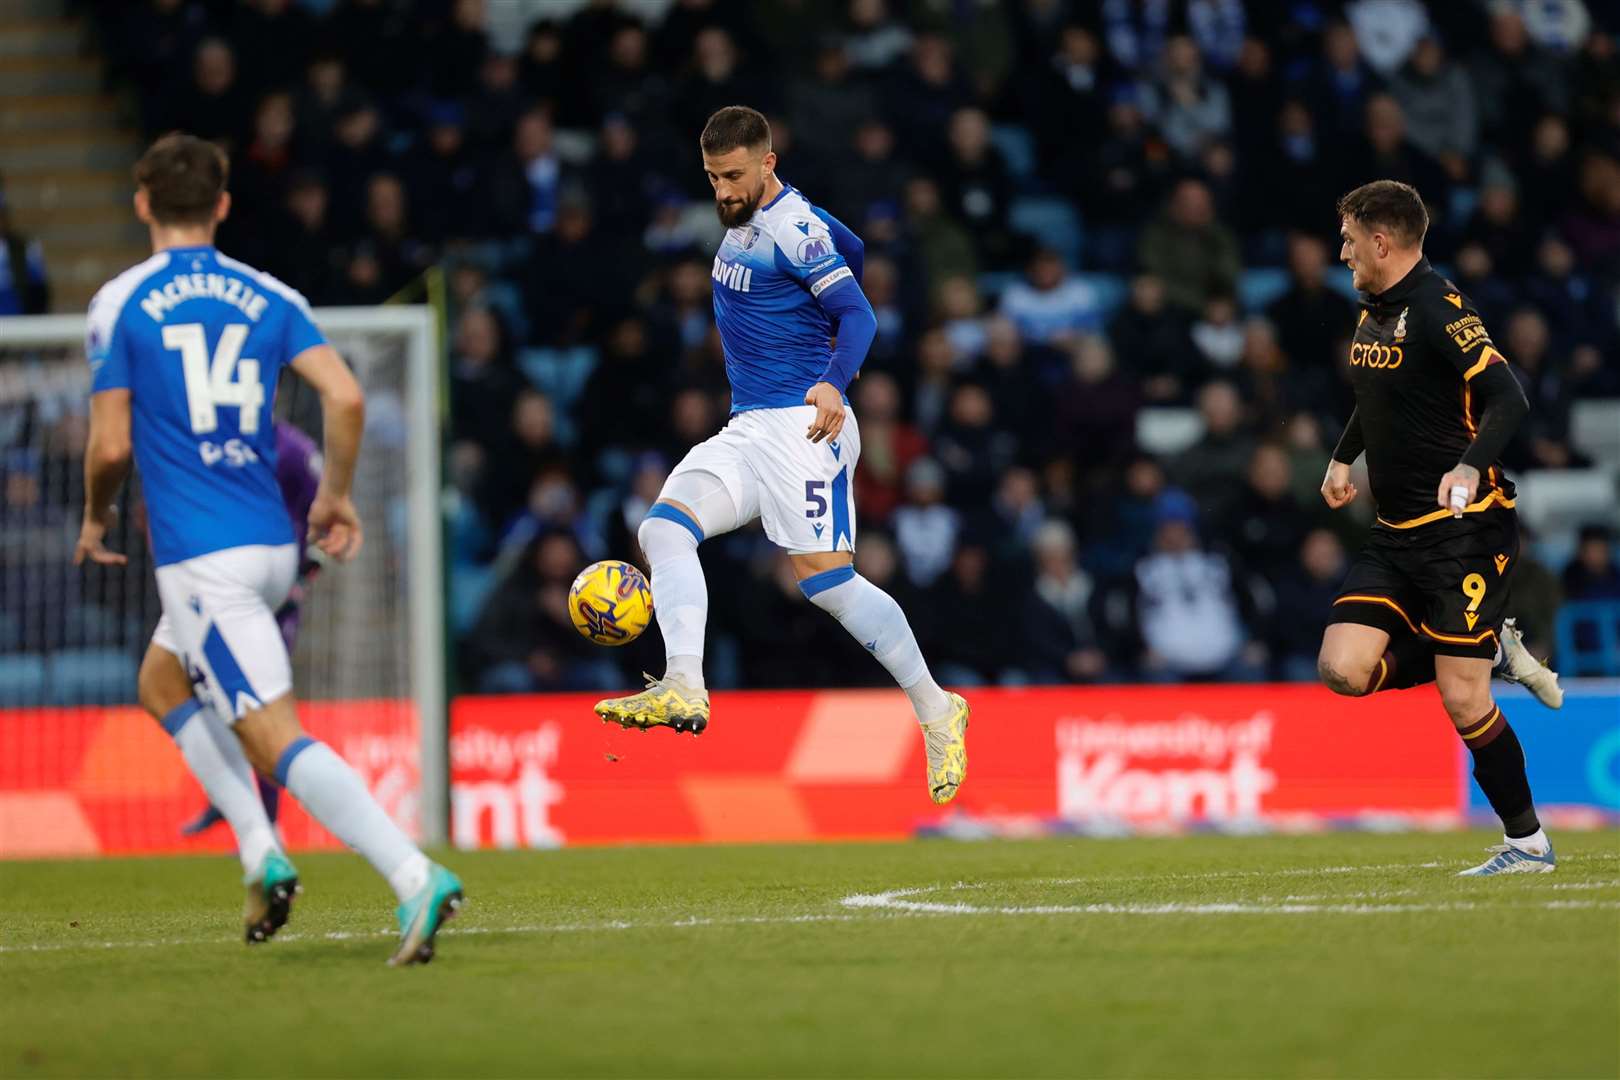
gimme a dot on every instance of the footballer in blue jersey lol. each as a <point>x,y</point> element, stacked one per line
<point>795,328</point>
<point>185,350</point>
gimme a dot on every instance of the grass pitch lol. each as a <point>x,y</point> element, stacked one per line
<point>1336,955</point>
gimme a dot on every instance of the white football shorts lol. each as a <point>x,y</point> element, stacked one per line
<point>219,618</point>
<point>802,491</point>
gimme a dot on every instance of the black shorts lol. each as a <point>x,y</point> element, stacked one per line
<point>1448,581</point>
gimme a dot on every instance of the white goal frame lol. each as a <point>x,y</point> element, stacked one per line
<point>418,324</point>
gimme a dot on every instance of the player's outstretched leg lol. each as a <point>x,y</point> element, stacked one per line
<point>215,758</point>
<point>335,796</point>
<point>1518,666</point>
<point>669,538</point>
<point>1499,767</point>
<point>876,621</point>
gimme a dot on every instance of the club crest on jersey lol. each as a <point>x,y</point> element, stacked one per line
<point>1400,325</point>
<point>751,235</point>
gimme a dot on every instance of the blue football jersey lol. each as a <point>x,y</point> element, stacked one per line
<point>199,340</point>
<point>767,276</point>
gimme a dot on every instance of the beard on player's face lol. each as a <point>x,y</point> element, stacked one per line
<point>739,209</point>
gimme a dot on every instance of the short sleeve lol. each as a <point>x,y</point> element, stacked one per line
<point>1458,333</point>
<point>302,333</point>
<point>805,251</point>
<point>106,347</point>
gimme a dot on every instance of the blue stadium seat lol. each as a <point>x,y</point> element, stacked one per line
<point>90,677</point>
<point>1051,223</point>
<point>11,633</point>
<point>1111,289</point>
<point>1338,279</point>
<point>1017,148</point>
<point>1588,636</point>
<point>470,586</point>
<point>22,680</point>
<point>992,283</point>
<point>1257,288</point>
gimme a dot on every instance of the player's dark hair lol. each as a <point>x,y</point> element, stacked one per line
<point>183,177</point>
<point>1390,206</point>
<point>734,126</point>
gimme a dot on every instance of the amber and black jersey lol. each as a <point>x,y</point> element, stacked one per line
<point>1424,368</point>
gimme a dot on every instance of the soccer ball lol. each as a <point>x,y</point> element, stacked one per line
<point>610,603</point>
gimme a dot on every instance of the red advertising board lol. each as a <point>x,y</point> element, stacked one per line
<point>543,771</point>
<point>89,781</point>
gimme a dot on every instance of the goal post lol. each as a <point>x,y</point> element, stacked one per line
<point>369,663</point>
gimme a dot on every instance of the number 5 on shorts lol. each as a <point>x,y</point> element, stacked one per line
<point>818,502</point>
<point>1473,587</point>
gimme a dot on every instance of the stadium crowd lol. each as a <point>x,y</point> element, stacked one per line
<point>1073,212</point>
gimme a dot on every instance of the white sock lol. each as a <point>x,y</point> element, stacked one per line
<point>335,796</point>
<point>876,621</point>
<point>214,755</point>
<point>680,595</point>
<point>1535,844</point>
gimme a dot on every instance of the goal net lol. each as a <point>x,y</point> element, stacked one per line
<point>82,769</point>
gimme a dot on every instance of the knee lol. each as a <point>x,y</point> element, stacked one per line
<point>1465,702</point>
<point>161,686</point>
<point>667,525</point>
<point>1337,676</point>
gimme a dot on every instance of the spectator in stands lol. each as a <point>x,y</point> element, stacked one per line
<point>1153,342</point>
<point>356,153</point>
<point>888,447</point>
<point>876,38</point>
<point>943,249</point>
<point>1384,152</point>
<point>576,274</point>
<point>1340,81</point>
<point>1119,180</point>
<point>971,446</point>
<point>325,95</point>
<point>1189,108</point>
<point>1298,161</point>
<point>1187,606</point>
<point>970,636</point>
<point>1437,98</point>
<point>1497,225</point>
<point>717,78</point>
<point>933,380</point>
<point>1186,248</point>
<point>1049,307</point>
<point>483,383</point>
<point>1065,100</point>
<point>389,237</point>
<point>1593,574</point>
<point>1218,333</point>
<point>1224,450</point>
<point>1592,227</point>
<point>977,187</point>
<point>24,287</point>
<point>444,177</point>
<point>1306,586</point>
<point>1387,31</point>
<point>628,84</point>
<point>526,185</point>
<point>873,174</point>
<point>1062,642</point>
<point>922,96</point>
<point>1542,441</point>
<point>832,102</point>
<point>1263,524</point>
<point>925,529</point>
<point>213,105</point>
<point>1310,318</point>
<point>517,455</point>
<point>524,641</point>
<point>1095,408</point>
<point>1515,81</point>
<point>271,37</point>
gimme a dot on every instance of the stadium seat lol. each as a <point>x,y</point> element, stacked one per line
<point>1257,288</point>
<point>22,680</point>
<point>1051,223</point>
<point>1594,624</point>
<point>1553,500</point>
<point>1168,431</point>
<point>1017,148</point>
<point>470,586</point>
<point>1594,429</point>
<point>1339,279</point>
<point>90,677</point>
<point>1110,291</point>
<point>11,633</point>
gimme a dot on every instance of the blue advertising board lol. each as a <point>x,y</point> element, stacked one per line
<point>1573,754</point>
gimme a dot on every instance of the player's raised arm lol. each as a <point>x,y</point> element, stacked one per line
<point>334,524</point>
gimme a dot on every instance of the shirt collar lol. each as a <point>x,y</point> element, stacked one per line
<point>1403,288</point>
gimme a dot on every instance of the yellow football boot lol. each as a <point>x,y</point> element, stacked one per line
<point>667,702</point>
<point>946,742</point>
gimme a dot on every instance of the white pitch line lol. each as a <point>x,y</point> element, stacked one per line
<point>874,907</point>
<point>896,900</point>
